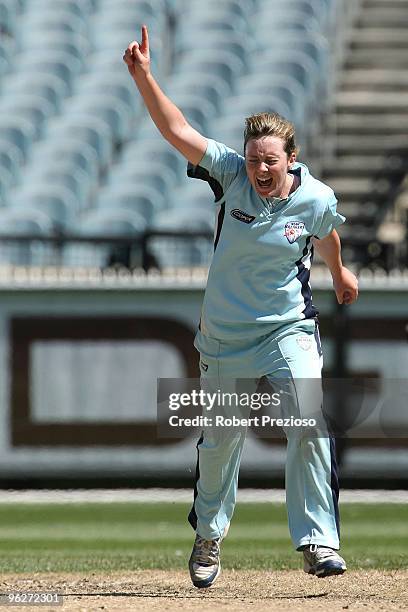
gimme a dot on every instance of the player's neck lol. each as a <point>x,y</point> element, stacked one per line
<point>287,187</point>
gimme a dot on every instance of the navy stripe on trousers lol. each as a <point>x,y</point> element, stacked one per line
<point>192,516</point>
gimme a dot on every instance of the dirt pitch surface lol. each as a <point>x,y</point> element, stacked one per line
<point>234,591</point>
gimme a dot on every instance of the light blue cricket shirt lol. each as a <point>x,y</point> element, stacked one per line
<point>259,275</point>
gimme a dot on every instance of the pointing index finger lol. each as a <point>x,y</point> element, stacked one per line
<point>145,39</point>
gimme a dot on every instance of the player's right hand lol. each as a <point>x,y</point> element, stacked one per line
<point>137,56</point>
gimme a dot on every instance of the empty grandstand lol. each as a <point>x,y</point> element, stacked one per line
<point>80,159</point>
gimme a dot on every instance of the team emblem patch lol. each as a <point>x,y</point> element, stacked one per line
<point>293,230</point>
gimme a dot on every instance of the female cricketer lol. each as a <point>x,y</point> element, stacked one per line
<point>258,320</point>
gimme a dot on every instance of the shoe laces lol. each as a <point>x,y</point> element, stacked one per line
<point>206,552</point>
<point>320,552</point>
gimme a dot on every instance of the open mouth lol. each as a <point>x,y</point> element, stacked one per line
<point>264,183</point>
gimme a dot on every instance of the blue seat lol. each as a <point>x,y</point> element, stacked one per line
<point>7,49</point>
<point>60,64</point>
<point>50,86</point>
<point>317,9</point>
<point>157,152</point>
<point>79,8</point>
<point>75,45</point>
<point>35,108</point>
<point>55,201</point>
<point>143,199</point>
<point>19,131</point>
<point>51,19</point>
<point>70,178</point>
<point>295,63</point>
<point>25,222</point>
<point>11,159</point>
<point>221,62</point>
<point>101,224</point>
<point>214,90</point>
<point>118,85</point>
<point>145,7</point>
<point>6,180</point>
<point>108,108</point>
<point>280,86</point>
<point>292,22</point>
<point>8,16</point>
<point>232,42</point>
<point>222,20</point>
<point>143,172</point>
<point>196,198</point>
<point>69,152</point>
<point>88,129</point>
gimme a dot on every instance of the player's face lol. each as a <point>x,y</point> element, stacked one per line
<point>267,165</point>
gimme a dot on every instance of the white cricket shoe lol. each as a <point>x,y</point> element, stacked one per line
<point>204,563</point>
<point>322,561</point>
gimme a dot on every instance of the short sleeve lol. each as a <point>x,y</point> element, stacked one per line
<point>219,163</point>
<point>331,218</point>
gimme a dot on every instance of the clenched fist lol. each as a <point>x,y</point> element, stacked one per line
<point>137,56</point>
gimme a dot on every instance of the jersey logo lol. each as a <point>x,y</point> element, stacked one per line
<point>293,229</point>
<point>241,215</point>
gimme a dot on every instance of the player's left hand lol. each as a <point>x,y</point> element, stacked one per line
<point>346,286</point>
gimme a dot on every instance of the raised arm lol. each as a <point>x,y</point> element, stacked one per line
<point>167,117</point>
<point>344,282</point>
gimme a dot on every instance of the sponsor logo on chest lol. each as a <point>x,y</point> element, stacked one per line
<point>242,216</point>
<point>293,230</point>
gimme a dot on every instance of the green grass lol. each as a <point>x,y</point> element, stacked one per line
<point>107,537</point>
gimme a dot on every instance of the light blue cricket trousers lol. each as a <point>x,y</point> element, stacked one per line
<point>292,353</point>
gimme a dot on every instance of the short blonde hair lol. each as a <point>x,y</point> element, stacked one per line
<point>271,124</point>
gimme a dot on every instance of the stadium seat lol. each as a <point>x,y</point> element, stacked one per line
<point>62,174</point>
<point>102,224</point>
<point>51,19</point>
<point>11,158</point>
<point>295,63</point>
<point>79,8</point>
<point>156,152</point>
<point>222,62</point>
<point>108,108</point>
<point>88,129</point>
<point>60,64</point>
<point>33,107</point>
<point>76,45</point>
<point>118,85</point>
<point>8,16</point>
<point>50,86</point>
<point>146,200</point>
<point>142,172</point>
<point>55,201</point>
<point>212,89</point>
<point>25,221</point>
<point>69,151</point>
<point>222,20</point>
<point>20,132</point>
